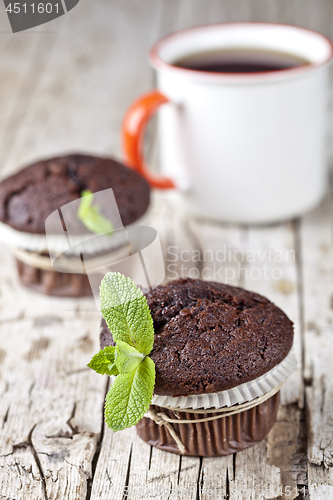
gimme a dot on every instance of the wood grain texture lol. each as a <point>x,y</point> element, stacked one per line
<point>317,260</point>
<point>263,260</point>
<point>65,86</point>
<point>51,404</point>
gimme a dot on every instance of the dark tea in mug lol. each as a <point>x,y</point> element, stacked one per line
<point>240,60</point>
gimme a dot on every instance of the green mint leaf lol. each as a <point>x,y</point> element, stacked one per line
<point>127,357</point>
<point>130,396</point>
<point>90,215</point>
<point>85,204</point>
<point>126,312</point>
<point>86,192</point>
<point>104,361</point>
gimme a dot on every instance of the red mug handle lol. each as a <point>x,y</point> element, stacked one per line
<point>133,131</point>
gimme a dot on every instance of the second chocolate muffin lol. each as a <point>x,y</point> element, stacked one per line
<point>28,197</point>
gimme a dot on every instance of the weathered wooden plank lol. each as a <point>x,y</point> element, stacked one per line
<point>279,268</point>
<point>260,259</point>
<point>317,259</point>
<point>129,466</point>
<point>221,252</point>
<point>50,404</point>
<point>113,466</point>
<point>23,58</point>
<point>272,271</point>
<point>162,476</point>
<point>216,475</point>
<point>143,465</point>
<point>264,260</point>
<point>92,76</point>
<point>33,305</point>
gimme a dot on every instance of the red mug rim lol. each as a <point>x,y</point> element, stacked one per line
<point>160,64</point>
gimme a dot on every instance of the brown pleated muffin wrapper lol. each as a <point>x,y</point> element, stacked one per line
<point>52,282</point>
<point>219,437</point>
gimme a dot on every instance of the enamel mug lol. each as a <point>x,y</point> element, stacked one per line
<point>239,147</point>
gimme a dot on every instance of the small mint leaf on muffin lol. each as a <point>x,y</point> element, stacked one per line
<point>104,362</point>
<point>126,312</point>
<point>130,395</point>
<point>127,357</point>
<point>91,217</point>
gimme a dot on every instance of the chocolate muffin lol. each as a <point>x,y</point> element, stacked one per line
<point>211,337</point>
<point>28,197</point>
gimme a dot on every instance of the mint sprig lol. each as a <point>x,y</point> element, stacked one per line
<point>130,395</point>
<point>91,216</point>
<point>127,314</point>
<point>128,358</point>
<point>104,362</point>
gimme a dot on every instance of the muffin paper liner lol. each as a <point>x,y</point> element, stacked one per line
<point>242,416</point>
<point>54,243</point>
<point>53,283</point>
<point>58,244</point>
<point>70,263</point>
<point>237,395</point>
<point>219,437</point>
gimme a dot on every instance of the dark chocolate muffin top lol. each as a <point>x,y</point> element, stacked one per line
<point>210,337</point>
<point>30,196</point>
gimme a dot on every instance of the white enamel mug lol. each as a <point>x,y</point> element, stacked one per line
<point>241,147</point>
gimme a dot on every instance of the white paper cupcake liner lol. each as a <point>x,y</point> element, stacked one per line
<point>237,395</point>
<point>57,244</point>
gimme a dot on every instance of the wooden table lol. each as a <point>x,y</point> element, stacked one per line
<point>64,87</point>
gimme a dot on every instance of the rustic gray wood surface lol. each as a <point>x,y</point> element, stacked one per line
<point>65,86</point>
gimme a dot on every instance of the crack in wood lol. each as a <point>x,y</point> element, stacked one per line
<point>30,394</point>
<point>79,370</point>
<point>323,393</point>
<point>227,489</point>
<point>234,466</point>
<point>5,418</point>
<point>199,490</point>
<point>202,481</point>
<point>150,457</point>
<point>57,456</point>
<point>163,476</point>
<point>29,443</point>
<point>300,459</point>
<point>18,471</point>
<point>73,428</point>
<point>98,449</point>
<point>80,468</point>
<point>125,491</point>
<point>170,492</point>
<point>179,469</point>
<point>108,476</point>
<point>31,387</point>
